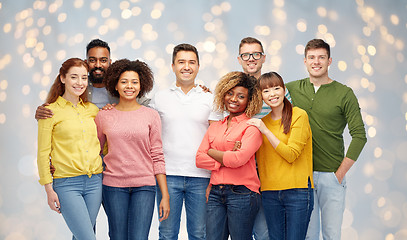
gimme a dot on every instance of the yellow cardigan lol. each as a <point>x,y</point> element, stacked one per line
<point>290,164</point>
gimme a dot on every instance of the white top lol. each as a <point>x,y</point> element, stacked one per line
<point>184,119</point>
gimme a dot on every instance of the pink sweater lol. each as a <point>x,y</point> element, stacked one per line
<point>135,152</point>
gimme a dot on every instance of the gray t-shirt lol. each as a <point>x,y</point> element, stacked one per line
<point>100,97</point>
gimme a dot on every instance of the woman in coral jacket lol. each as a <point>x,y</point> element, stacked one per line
<point>228,150</point>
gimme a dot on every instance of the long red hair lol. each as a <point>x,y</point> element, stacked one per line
<point>58,88</point>
<point>273,79</point>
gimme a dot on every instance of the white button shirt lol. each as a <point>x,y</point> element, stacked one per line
<point>184,119</point>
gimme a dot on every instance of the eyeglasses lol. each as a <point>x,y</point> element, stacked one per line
<point>255,55</point>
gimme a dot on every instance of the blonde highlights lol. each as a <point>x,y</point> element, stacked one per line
<point>234,79</point>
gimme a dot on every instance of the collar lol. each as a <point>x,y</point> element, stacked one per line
<point>62,102</point>
<point>238,119</point>
<point>323,85</point>
<point>174,87</point>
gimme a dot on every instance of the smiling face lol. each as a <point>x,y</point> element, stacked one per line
<point>251,66</point>
<point>317,62</point>
<point>98,59</point>
<point>236,100</point>
<point>76,81</point>
<point>185,67</point>
<point>128,86</point>
<point>274,96</point>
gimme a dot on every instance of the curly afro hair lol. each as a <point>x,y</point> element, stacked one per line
<point>235,79</point>
<point>120,66</point>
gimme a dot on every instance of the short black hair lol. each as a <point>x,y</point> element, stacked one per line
<point>97,43</point>
<point>184,47</point>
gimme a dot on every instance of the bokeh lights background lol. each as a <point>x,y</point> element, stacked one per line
<point>368,47</point>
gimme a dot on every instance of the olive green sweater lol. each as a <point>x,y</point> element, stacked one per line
<point>329,111</point>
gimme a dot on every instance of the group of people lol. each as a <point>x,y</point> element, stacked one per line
<point>257,159</point>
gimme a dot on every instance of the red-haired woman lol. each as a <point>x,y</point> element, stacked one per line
<point>69,139</point>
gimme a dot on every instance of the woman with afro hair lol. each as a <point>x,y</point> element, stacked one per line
<point>228,150</point>
<point>135,159</point>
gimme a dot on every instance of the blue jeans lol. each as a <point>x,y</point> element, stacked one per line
<point>231,209</point>
<point>129,211</point>
<point>260,229</point>
<point>329,205</point>
<point>80,198</point>
<point>192,191</point>
<point>288,212</point>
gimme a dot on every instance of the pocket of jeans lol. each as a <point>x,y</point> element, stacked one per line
<point>57,182</point>
<point>99,175</point>
<point>337,181</point>
<point>240,189</point>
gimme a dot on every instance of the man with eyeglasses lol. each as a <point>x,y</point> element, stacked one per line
<point>251,57</point>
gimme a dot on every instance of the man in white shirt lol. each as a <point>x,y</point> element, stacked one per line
<point>185,111</point>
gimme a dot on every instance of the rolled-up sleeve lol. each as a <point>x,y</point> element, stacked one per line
<point>203,160</point>
<point>250,143</point>
<point>45,127</point>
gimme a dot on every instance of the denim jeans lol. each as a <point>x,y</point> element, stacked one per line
<point>80,198</point>
<point>192,191</point>
<point>329,205</point>
<point>288,212</point>
<point>231,209</point>
<point>129,211</point>
<point>260,229</point>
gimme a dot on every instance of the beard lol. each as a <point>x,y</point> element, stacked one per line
<point>96,79</point>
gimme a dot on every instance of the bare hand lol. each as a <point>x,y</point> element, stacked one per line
<point>339,177</point>
<point>164,209</point>
<point>207,192</point>
<point>238,145</point>
<point>51,169</point>
<point>42,112</point>
<point>257,123</point>
<point>205,88</point>
<point>53,200</point>
<point>109,106</point>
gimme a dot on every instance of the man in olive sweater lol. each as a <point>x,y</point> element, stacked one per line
<point>330,106</point>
